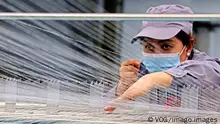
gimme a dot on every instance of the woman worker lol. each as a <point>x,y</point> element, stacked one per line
<point>168,57</point>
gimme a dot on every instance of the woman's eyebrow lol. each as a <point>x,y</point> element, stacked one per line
<point>168,40</point>
<point>147,43</point>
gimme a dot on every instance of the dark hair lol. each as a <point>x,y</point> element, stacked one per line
<point>185,38</point>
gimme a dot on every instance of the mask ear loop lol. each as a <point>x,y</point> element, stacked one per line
<point>182,50</point>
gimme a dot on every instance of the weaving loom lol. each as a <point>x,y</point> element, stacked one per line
<point>52,102</point>
<point>51,75</point>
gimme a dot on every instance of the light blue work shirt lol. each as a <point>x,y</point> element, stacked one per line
<point>202,70</point>
<point>202,74</point>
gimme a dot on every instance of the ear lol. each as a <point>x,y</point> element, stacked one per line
<point>191,45</point>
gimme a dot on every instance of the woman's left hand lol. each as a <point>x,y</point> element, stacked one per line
<point>141,87</point>
<point>116,103</point>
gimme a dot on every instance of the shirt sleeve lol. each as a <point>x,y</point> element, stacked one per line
<point>193,78</point>
<point>190,67</point>
<point>196,72</point>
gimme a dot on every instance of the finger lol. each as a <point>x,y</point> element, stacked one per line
<point>128,74</point>
<point>135,63</point>
<point>124,85</point>
<point>109,109</point>
<point>131,62</point>
<point>118,102</point>
<point>126,81</point>
<point>129,69</point>
<point>112,106</point>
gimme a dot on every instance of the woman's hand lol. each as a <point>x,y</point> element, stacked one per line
<point>141,87</point>
<point>128,75</point>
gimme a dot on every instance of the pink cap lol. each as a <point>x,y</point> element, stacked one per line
<point>163,30</point>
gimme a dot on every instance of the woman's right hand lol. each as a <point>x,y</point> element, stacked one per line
<point>128,75</point>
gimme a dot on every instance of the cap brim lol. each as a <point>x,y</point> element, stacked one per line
<point>159,33</point>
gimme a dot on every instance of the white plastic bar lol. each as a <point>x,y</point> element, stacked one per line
<point>10,95</point>
<point>53,95</point>
<point>109,17</point>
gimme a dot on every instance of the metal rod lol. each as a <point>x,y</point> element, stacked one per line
<point>109,17</point>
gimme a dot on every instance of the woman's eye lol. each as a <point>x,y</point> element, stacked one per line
<point>149,47</point>
<point>166,47</point>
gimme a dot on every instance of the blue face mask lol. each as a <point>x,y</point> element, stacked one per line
<point>161,62</point>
